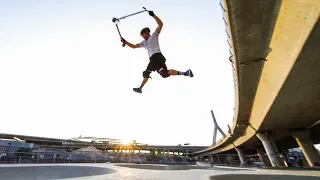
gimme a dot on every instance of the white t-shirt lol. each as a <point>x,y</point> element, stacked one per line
<point>152,44</point>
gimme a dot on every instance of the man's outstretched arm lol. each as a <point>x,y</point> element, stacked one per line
<point>158,20</point>
<point>133,46</point>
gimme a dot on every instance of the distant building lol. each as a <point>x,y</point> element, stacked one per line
<point>11,145</point>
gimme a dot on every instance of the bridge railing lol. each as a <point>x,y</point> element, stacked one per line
<point>225,18</point>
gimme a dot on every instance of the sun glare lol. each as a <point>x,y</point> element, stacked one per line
<point>126,141</point>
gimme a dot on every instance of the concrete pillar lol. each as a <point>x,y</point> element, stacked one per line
<point>276,150</point>
<point>54,157</point>
<point>286,154</point>
<point>310,152</point>
<point>269,149</point>
<point>260,153</point>
<point>211,159</point>
<point>218,159</point>
<point>186,153</point>
<point>168,152</point>
<point>241,156</point>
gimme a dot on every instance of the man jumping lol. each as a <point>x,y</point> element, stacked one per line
<point>157,60</point>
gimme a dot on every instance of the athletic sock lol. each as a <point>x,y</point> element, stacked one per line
<point>141,87</point>
<point>181,73</point>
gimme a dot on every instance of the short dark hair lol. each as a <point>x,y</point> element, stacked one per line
<point>145,30</point>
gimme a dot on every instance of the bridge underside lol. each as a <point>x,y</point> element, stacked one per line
<point>282,94</point>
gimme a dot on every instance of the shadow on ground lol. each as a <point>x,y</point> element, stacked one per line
<point>159,167</point>
<point>262,177</point>
<point>175,167</point>
<point>232,169</point>
<point>294,168</point>
<point>51,172</point>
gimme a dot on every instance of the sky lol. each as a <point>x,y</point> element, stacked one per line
<point>64,73</point>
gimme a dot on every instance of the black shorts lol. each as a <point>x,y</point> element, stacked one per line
<point>157,62</point>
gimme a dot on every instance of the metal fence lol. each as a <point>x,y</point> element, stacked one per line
<point>90,157</point>
<point>140,158</point>
<point>252,160</point>
<point>49,157</point>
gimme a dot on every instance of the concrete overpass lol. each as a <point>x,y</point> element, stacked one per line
<point>275,49</point>
<point>106,144</point>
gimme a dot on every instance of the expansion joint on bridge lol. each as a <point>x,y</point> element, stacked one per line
<point>253,62</point>
<point>248,124</point>
<point>233,145</point>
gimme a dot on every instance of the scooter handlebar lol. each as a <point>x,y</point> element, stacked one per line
<point>118,19</point>
<point>114,20</point>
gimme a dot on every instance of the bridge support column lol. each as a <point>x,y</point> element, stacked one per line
<point>310,152</point>
<point>241,156</point>
<point>211,159</point>
<point>276,150</point>
<point>269,149</point>
<point>260,153</point>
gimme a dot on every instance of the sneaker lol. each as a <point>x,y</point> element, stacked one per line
<point>189,73</point>
<point>137,90</point>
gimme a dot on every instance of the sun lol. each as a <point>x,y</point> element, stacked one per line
<point>126,141</point>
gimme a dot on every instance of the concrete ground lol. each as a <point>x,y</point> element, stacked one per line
<point>144,172</point>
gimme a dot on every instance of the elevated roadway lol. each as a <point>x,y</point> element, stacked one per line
<point>276,57</point>
<point>109,144</point>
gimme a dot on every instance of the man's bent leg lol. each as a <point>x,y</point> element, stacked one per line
<point>173,72</point>
<point>139,89</point>
<point>164,72</point>
<point>146,76</point>
<point>144,81</point>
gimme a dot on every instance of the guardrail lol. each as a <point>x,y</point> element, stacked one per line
<point>231,57</point>
<point>233,66</point>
